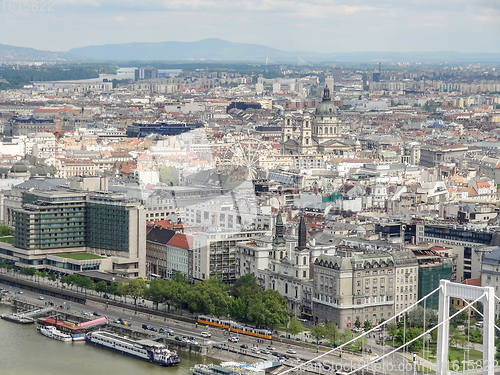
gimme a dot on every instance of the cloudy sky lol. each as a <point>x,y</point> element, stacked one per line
<point>289,25</point>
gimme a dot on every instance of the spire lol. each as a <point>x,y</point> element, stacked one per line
<point>302,234</point>
<point>326,94</point>
<point>278,234</point>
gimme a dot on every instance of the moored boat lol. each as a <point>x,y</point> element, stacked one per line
<point>53,333</point>
<point>146,350</point>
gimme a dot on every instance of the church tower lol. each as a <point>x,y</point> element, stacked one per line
<point>326,125</point>
<point>287,129</point>
<point>305,134</point>
<point>279,245</point>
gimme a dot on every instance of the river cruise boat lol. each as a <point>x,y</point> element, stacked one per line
<point>146,350</point>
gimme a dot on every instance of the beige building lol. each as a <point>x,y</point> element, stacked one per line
<point>354,285</point>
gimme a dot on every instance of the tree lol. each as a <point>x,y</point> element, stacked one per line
<point>156,291</point>
<point>237,309</point>
<point>295,327</point>
<point>457,339</point>
<point>246,288</point>
<point>101,286</point>
<point>134,288</point>
<point>357,323</point>
<point>367,325</point>
<point>332,333</point>
<point>361,342</point>
<point>115,287</point>
<point>5,231</point>
<point>318,332</point>
<point>393,330</point>
<point>347,335</point>
<point>268,309</point>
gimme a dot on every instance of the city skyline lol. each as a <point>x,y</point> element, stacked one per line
<point>316,26</point>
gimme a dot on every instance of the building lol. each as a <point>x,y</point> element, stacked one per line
<point>490,275</point>
<point>50,223</point>
<point>215,253</point>
<point>353,285</point>
<point>320,134</point>
<point>432,268</point>
<point>434,156</point>
<point>156,250</point>
<point>25,126</point>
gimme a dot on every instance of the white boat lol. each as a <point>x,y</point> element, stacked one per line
<point>146,350</point>
<point>54,333</point>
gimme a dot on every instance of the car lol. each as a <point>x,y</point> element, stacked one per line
<point>302,320</point>
<point>244,346</point>
<point>169,331</point>
<point>178,338</point>
<point>145,326</point>
<point>255,350</point>
<point>194,342</point>
<point>41,298</point>
<point>96,313</point>
<point>116,321</point>
<point>153,329</point>
<point>264,351</point>
<point>20,292</point>
<point>271,347</point>
<point>233,339</point>
<point>205,334</point>
<point>291,351</point>
<point>276,354</point>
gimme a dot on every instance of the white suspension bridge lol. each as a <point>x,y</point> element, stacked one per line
<point>470,295</point>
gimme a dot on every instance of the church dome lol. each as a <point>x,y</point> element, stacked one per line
<point>326,107</point>
<point>19,168</point>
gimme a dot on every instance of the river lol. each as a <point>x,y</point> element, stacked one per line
<point>24,351</point>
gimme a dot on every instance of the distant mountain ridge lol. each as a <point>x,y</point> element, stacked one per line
<point>221,50</point>
<point>12,53</point>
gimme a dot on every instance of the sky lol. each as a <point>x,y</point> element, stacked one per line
<point>287,25</point>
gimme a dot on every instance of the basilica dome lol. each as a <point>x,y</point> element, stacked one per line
<point>326,107</point>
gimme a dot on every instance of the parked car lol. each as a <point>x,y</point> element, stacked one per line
<point>244,346</point>
<point>276,354</point>
<point>291,351</point>
<point>264,351</point>
<point>96,313</point>
<point>145,326</point>
<point>153,329</point>
<point>20,292</point>
<point>255,350</point>
<point>116,321</point>
<point>178,338</point>
<point>271,347</point>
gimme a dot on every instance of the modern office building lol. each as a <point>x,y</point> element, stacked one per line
<point>61,223</point>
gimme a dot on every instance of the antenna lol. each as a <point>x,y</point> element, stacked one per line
<point>267,59</point>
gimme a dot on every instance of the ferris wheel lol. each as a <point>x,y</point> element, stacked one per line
<point>242,158</point>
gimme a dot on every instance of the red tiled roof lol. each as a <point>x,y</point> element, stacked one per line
<point>181,240</point>
<point>475,282</point>
<point>484,184</point>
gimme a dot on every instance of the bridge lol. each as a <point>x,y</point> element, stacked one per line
<point>469,295</point>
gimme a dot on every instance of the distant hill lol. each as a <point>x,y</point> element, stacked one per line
<point>221,50</point>
<point>12,53</point>
<point>208,49</point>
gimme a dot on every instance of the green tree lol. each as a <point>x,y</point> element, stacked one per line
<point>347,335</point>
<point>392,330</point>
<point>246,288</point>
<point>156,292</point>
<point>357,323</point>
<point>134,288</point>
<point>269,309</point>
<point>361,342</point>
<point>294,327</point>
<point>101,286</point>
<point>318,332</point>
<point>5,231</point>
<point>332,333</point>
<point>367,325</point>
<point>237,309</point>
<point>115,287</point>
